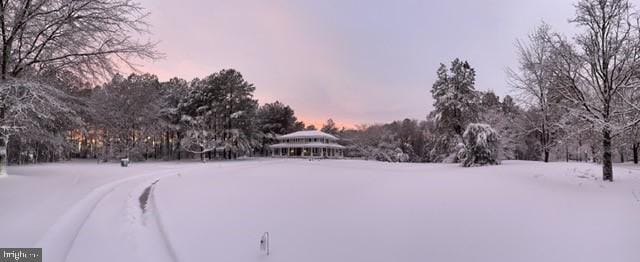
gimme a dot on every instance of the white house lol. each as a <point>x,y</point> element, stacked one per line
<point>307,144</point>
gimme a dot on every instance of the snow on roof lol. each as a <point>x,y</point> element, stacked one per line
<point>307,145</point>
<point>308,134</point>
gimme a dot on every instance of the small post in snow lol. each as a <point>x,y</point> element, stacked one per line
<point>124,162</point>
<point>264,243</point>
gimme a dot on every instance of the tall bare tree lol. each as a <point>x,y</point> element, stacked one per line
<point>533,82</point>
<point>88,38</point>
<point>596,74</point>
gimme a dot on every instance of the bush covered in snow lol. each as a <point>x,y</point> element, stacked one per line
<point>387,155</point>
<point>482,146</point>
<point>384,153</point>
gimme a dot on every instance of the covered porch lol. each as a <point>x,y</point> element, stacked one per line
<point>321,150</point>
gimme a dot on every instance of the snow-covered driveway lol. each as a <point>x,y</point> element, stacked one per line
<point>64,207</point>
<point>322,211</point>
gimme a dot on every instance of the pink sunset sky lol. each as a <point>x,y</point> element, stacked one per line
<point>356,62</point>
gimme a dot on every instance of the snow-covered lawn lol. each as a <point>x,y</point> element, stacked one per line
<point>329,210</point>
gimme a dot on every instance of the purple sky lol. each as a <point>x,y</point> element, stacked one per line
<point>353,61</point>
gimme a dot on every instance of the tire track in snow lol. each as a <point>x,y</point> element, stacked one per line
<point>154,212</point>
<point>145,226</point>
<point>154,216</point>
<point>59,239</point>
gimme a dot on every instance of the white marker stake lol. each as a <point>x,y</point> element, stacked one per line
<point>264,243</point>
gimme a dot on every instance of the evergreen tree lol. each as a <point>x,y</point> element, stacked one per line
<point>128,112</point>
<point>330,127</point>
<point>508,106</point>
<point>481,146</point>
<point>276,118</point>
<point>489,101</point>
<point>455,97</point>
<point>173,91</point>
<point>221,110</point>
<point>502,119</point>
<point>456,104</point>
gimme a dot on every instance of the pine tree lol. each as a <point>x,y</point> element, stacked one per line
<point>128,112</point>
<point>276,118</point>
<point>456,104</point>
<point>173,91</point>
<point>330,127</point>
<point>221,110</point>
<point>455,97</point>
<point>502,118</point>
<point>481,146</point>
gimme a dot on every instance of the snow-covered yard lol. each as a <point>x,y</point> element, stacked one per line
<point>329,210</point>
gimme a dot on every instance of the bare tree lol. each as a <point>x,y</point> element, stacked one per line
<point>88,38</point>
<point>634,140</point>
<point>26,105</point>
<point>533,82</point>
<point>596,74</point>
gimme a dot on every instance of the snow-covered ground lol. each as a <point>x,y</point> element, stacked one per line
<point>329,210</point>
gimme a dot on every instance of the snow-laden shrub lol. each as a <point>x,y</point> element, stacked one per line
<point>481,146</point>
<point>389,155</point>
<point>400,156</point>
<point>460,154</point>
<point>382,153</point>
<point>456,156</point>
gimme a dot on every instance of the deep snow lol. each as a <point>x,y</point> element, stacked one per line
<point>328,210</point>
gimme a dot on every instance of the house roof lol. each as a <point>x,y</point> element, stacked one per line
<point>308,134</point>
<point>307,145</point>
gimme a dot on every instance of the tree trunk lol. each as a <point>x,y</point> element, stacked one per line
<point>544,139</point>
<point>546,155</point>
<point>179,144</point>
<point>167,153</point>
<point>607,167</point>
<point>4,141</point>
<point>635,152</point>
